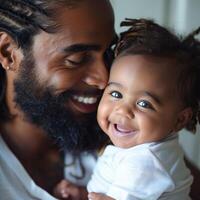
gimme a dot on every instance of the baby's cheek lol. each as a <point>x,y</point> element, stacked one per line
<point>102,117</point>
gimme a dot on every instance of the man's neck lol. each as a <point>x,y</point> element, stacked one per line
<point>23,138</point>
<point>37,153</point>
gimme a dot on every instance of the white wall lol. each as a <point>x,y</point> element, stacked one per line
<point>182,16</point>
<point>154,9</point>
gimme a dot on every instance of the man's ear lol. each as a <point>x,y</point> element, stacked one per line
<point>10,54</point>
<point>184,117</point>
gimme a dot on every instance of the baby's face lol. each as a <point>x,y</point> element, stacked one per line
<point>140,103</point>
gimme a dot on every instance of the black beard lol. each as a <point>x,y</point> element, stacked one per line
<point>48,112</point>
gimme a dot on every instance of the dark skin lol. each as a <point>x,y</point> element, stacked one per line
<point>62,67</point>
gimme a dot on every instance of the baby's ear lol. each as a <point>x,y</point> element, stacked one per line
<point>184,117</point>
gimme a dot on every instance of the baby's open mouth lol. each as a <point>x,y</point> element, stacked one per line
<point>121,130</point>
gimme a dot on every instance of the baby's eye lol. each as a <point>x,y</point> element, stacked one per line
<point>144,104</point>
<point>116,94</point>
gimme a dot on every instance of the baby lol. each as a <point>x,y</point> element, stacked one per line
<point>153,92</point>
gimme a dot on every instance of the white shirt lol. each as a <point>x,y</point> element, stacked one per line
<point>79,170</point>
<point>145,172</point>
<point>15,183</point>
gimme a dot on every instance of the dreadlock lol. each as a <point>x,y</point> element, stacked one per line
<point>146,37</point>
<point>22,20</point>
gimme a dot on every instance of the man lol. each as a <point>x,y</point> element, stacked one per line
<point>53,68</point>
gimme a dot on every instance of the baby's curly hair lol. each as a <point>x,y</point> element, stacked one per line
<point>148,38</point>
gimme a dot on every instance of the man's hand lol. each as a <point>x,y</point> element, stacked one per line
<point>67,190</point>
<point>98,196</point>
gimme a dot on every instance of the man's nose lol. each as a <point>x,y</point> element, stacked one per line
<point>97,75</point>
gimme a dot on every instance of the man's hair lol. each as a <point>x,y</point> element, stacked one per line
<point>22,20</point>
<point>148,38</point>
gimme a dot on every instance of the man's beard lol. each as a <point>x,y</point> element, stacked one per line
<point>49,112</point>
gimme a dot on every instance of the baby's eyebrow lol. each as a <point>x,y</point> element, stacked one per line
<point>153,96</point>
<point>114,83</point>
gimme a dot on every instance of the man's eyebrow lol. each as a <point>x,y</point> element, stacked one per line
<point>81,48</point>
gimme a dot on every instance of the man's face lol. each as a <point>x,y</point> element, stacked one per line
<point>74,57</point>
<point>67,73</point>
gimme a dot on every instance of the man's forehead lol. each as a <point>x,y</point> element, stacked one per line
<point>93,8</point>
<point>84,21</point>
<point>79,30</point>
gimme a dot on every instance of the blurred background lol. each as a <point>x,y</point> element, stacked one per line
<point>180,16</point>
